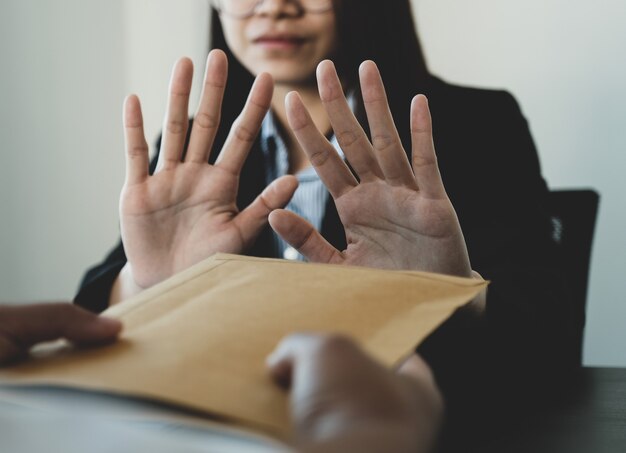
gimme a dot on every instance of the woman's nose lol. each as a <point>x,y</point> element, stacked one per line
<point>277,8</point>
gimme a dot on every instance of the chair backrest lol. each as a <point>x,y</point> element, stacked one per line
<point>574,214</point>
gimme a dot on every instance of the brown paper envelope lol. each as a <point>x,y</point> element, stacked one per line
<point>200,339</point>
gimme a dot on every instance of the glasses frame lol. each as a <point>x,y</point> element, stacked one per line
<point>217,4</point>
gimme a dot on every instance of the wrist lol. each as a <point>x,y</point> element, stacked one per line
<point>124,286</point>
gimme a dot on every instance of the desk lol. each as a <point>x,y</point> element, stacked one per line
<point>586,414</point>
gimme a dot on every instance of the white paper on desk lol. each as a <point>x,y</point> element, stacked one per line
<point>59,420</point>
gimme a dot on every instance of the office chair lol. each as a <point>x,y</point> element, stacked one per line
<point>574,214</point>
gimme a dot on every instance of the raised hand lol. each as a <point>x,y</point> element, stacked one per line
<point>187,210</point>
<point>396,216</point>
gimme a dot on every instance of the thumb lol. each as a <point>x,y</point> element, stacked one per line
<point>275,196</point>
<point>303,236</point>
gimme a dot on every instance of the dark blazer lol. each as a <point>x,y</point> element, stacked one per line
<point>491,172</point>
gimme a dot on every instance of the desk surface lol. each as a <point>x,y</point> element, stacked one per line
<point>585,414</point>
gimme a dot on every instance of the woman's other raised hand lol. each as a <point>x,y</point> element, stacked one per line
<point>397,214</point>
<point>186,211</point>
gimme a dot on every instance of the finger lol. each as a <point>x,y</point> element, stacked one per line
<point>247,126</point>
<point>207,118</point>
<point>304,355</point>
<point>423,150</point>
<point>177,116</point>
<point>281,362</point>
<point>137,159</point>
<point>385,139</point>
<point>32,324</point>
<point>302,236</point>
<point>350,135</point>
<point>252,219</point>
<point>415,367</point>
<point>331,169</point>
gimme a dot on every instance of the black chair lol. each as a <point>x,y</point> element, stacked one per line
<point>574,214</point>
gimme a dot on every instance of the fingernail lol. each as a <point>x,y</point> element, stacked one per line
<point>111,325</point>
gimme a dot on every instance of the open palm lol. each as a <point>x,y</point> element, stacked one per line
<point>187,210</point>
<point>396,216</point>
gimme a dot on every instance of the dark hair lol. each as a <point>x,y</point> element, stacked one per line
<point>367,30</point>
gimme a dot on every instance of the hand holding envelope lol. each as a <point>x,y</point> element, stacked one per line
<point>342,400</point>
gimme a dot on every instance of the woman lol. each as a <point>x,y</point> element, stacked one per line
<point>486,156</point>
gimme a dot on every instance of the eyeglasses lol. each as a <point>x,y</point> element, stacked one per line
<point>243,9</point>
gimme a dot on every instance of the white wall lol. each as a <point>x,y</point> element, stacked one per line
<point>61,88</point>
<point>67,65</point>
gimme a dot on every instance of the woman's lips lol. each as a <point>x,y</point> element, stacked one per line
<point>279,42</point>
